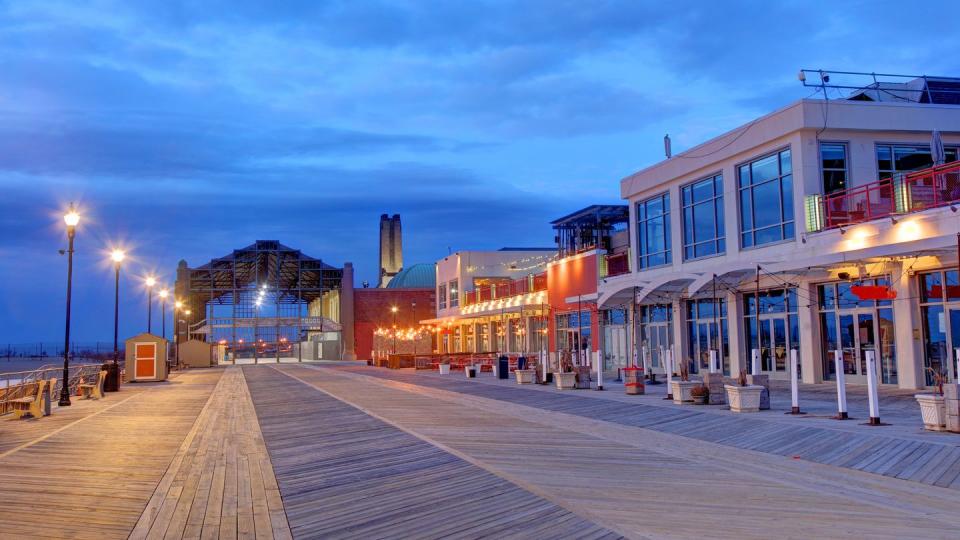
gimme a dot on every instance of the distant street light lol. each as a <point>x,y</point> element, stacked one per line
<point>71,219</point>
<point>394,310</point>
<point>163,311</point>
<point>177,306</point>
<point>256,324</point>
<point>150,281</point>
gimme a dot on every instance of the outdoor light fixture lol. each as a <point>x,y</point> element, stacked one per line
<point>150,282</point>
<point>163,311</point>
<point>71,219</point>
<point>117,257</point>
<point>842,231</point>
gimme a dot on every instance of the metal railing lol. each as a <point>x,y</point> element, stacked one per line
<point>902,194</point>
<point>615,264</point>
<point>525,285</point>
<point>15,384</point>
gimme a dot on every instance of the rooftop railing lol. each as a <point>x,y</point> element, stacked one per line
<point>615,264</point>
<point>529,284</point>
<point>902,194</point>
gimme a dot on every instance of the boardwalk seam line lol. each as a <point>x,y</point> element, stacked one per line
<point>585,514</point>
<point>71,424</point>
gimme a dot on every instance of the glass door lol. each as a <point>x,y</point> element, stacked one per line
<point>658,341</point>
<point>615,343</point>
<point>954,342</point>
<point>773,345</point>
<point>866,339</point>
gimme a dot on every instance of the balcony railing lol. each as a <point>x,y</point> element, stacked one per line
<point>524,285</point>
<point>615,264</point>
<point>902,194</point>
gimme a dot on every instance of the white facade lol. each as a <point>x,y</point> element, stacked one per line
<point>805,259</point>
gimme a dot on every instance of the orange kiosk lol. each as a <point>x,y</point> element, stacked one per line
<point>146,356</point>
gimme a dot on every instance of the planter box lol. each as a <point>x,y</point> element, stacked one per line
<point>444,369</point>
<point>743,399</point>
<point>565,381</point>
<point>933,408</point>
<point>715,382</point>
<point>681,391</point>
<point>524,376</point>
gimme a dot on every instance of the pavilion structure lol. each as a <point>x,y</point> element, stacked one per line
<point>264,300</point>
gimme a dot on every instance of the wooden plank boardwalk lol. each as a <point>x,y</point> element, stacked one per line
<point>648,483</point>
<point>92,477</point>
<point>220,482</point>
<point>344,474</point>
<point>929,462</point>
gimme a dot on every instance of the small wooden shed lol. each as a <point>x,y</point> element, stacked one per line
<point>146,358</point>
<point>196,353</point>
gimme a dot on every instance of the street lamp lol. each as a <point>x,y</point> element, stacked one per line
<point>117,257</point>
<point>71,219</point>
<point>177,306</point>
<point>163,310</point>
<point>394,310</point>
<point>256,325</point>
<point>416,336</point>
<point>150,281</point>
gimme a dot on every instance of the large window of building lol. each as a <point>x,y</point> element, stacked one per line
<point>573,336</point>
<point>766,200</point>
<point>901,158</point>
<point>854,326</point>
<point>833,166</point>
<point>454,294</point>
<point>703,233</point>
<point>656,332</point>
<point>775,331</point>
<point>940,308</point>
<point>707,330</point>
<point>653,231</point>
<point>442,296</point>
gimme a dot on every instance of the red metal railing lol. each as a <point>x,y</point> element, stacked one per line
<point>904,194</point>
<point>859,204</point>
<point>516,287</point>
<point>617,264</point>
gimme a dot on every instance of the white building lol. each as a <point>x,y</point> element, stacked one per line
<point>816,196</point>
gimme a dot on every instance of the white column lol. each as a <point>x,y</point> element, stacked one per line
<point>738,352</point>
<point>874,399</point>
<point>794,385</point>
<point>811,359</point>
<point>755,362</point>
<point>906,313</point>
<point>668,367</point>
<point>841,385</point>
<point>714,358</point>
<point>599,356</point>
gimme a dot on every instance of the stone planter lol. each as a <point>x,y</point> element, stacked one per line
<point>524,376</point>
<point>933,408</point>
<point>743,399</point>
<point>444,369</point>
<point>681,391</point>
<point>565,381</point>
<point>700,400</point>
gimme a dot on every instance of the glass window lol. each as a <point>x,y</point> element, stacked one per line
<point>766,200</point>
<point>899,158</point>
<point>703,218</point>
<point>653,231</point>
<point>833,166</point>
<point>442,296</point>
<point>704,316</point>
<point>454,294</point>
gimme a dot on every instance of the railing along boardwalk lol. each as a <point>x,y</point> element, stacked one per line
<point>345,474</point>
<point>642,482</point>
<point>90,469</point>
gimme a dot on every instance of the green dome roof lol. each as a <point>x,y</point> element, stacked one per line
<point>420,276</point>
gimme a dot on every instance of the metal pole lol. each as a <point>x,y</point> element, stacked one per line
<point>756,307</point>
<point>65,391</point>
<point>716,323</point>
<point>116,313</point>
<point>841,386</point>
<point>416,336</point>
<point>149,310</point>
<point>256,343</point>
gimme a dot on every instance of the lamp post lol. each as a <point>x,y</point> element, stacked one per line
<point>256,324</point>
<point>150,281</point>
<point>394,311</point>
<point>416,335</point>
<point>113,373</point>
<point>71,218</point>
<point>177,306</point>
<point>163,310</point>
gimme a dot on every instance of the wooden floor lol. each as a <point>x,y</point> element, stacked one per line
<point>344,474</point>
<point>220,483</point>
<point>927,461</point>
<point>646,483</point>
<point>92,477</point>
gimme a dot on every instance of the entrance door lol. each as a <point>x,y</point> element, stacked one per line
<point>951,355</point>
<point>858,334</point>
<point>658,339</point>
<point>773,345</point>
<point>615,345</point>
<point>145,361</point>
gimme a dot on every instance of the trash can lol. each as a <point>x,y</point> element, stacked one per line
<point>471,371</point>
<point>112,381</point>
<point>503,368</point>
<point>633,381</point>
<point>522,362</point>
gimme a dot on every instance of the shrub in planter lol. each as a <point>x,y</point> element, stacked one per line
<point>933,407</point>
<point>700,394</point>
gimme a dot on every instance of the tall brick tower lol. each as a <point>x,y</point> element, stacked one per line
<point>391,248</point>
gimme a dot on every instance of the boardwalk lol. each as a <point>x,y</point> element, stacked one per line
<point>279,451</point>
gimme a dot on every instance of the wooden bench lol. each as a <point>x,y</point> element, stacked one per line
<point>31,403</point>
<point>94,390</point>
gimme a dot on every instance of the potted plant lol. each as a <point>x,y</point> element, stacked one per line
<point>445,366</point>
<point>525,376</point>
<point>700,394</point>
<point>566,377</point>
<point>933,407</point>
<point>743,397</point>
<point>681,388</point>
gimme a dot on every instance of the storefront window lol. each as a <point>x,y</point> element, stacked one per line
<point>854,326</point>
<point>707,330</point>
<point>766,200</point>
<point>703,234</point>
<point>656,331</point>
<point>775,331</point>
<point>573,334</point>
<point>653,231</point>
<point>940,311</point>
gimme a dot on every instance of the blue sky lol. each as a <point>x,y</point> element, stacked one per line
<point>188,129</point>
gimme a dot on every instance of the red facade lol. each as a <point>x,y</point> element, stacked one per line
<point>569,279</point>
<point>372,310</point>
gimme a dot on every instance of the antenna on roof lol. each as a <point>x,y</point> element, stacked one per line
<point>666,146</point>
